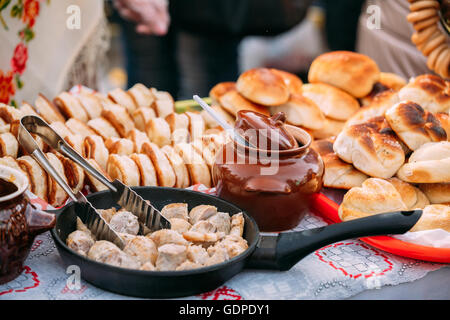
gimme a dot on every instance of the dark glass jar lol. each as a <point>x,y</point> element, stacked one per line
<point>275,190</point>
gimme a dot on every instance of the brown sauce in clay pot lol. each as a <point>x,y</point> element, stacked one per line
<point>275,186</point>
<point>7,187</point>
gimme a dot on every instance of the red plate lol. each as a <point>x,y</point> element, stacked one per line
<point>328,209</point>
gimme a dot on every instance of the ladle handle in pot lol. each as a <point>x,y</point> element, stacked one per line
<point>282,252</point>
<point>36,125</point>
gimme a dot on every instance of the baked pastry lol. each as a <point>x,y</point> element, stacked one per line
<point>196,125</point>
<point>36,176</point>
<point>233,102</point>
<point>142,116</point>
<point>413,125</point>
<point>76,141</point>
<point>119,118</point>
<point>94,184</point>
<point>141,95</point>
<point>124,169</point>
<point>103,128</point>
<point>119,146</point>
<point>139,138</point>
<point>338,174</point>
<point>262,86</point>
<point>164,171</point>
<point>429,91</point>
<point>198,170</point>
<point>377,107</point>
<point>146,169</point>
<point>301,111</point>
<point>435,216</point>
<point>333,102</point>
<point>79,127</point>
<point>47,110</point>
<point>91,104</point>
<point>392,81</point>
<point>219,90</point>
<point>27,109</point>
<point>179,168</point>
<point>123,99</point>
<point>207,153</point>
<point>179,127</point>
<point>164,103</point>
<point>94,148</point>
<point>292,81</point>
<point>9,146</point>
<point>428,164</point>
<point>61,129</point>
<point>437,193</point>
<point>73,173</point>
<point>70,107</point>
<point>211,123</point>
<point>11,162</point>
<point>331,128</point>
<point>352,72</point>
<point>444,120</point>
<point>56,196</point>
<point>411,196</point>
<point>371,147</point>
<point>373,197</point>
<point>158,131</point>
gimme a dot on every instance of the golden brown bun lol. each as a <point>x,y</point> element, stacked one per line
<point>158,131</point>
<point>377,107</point>
<point>198,169</point>
<point>179,127</point>
<point>78,127</point>
<point>392,81</point>
<point>70,107</point>
<point>333,102</point>
<point>263,86</point>
<point>350,71</point>
<point>36,176</point>
<point>141,116</point>
<point>413,125</point>
<point>179,168</point>
<point>331,128</point>
<point>9,146</point>
<point>220,89</point>
<point>428,164</point>
<point>373,197</point>
<point>436,192</point>
<point>164,171</point>
<point>141,95</point>
<point>301,111</point>
<point>119,117</point>
<point>91,104</point>
<point>293,82</point>
<point>103,128</point>
<point>123,99</point>
<point>411,196</point>
<point>56,195</point>
<point>233,101</point>
<point>124,169</point>
<point>94,148</point>
<point>47,110</point>
<point>164,103</point>
<point>444,119</point>
<point>338,174</point>
<point>435,216</point>
<point>429,91</point>
<point>371,147</point>
<point>121,146</point>
<point>146,169</point>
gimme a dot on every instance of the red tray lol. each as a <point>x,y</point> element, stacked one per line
<point>328,209</point>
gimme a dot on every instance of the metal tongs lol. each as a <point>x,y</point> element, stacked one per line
<point>123,195</point>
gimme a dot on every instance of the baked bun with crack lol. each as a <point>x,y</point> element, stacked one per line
<point>428,164</point>
<point>414,125</point>
<point>333,102</point>
<point>371,147</point>
<point>352,72</point>
<point>219,90</point>
<point>431,92</point>
<point>331,128</point>
<point>444,120</point>
<point>434,216</point>
<point>437,193</point>
<point>413,197</point>
<point>262,86</point>
<point>338,174</point>
<point>373,197</point>
<point>292,81</point>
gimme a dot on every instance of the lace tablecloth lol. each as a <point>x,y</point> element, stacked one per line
<point>337,271</point>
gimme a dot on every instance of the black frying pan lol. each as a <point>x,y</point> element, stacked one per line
<point>279,252</point>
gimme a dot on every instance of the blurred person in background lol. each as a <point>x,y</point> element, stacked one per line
<point>187,46</point>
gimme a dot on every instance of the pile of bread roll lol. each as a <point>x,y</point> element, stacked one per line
<point>134,136</point>
<point>377,134</point>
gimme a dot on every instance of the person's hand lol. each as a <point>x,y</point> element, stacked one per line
<point>151,16</point>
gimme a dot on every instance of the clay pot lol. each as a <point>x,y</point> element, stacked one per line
<point>20,223</point>
<point>276,198</point>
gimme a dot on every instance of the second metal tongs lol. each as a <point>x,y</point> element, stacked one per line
<point>123,195</point>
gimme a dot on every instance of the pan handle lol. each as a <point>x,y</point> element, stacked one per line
<point>282,252</point>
